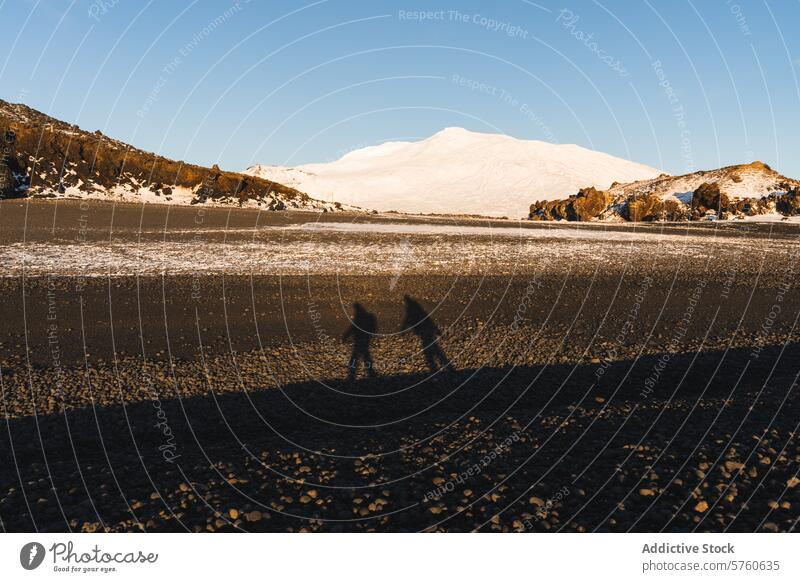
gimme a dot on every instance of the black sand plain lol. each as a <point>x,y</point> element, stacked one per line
<point>658,393</point>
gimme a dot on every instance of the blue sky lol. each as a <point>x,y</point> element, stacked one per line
<point>674,84</point>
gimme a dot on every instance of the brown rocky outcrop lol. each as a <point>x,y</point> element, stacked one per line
<point>590,203</point>
<point>644,208</point>
<point>651,207</point>
<point>587,204</point>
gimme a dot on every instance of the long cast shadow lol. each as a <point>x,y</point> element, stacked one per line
<point>405,434</point>
<point>362,329</point>
<point>420,323</point>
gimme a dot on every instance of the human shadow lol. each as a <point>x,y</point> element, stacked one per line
<point>419,322</point>
<point>362,328</point>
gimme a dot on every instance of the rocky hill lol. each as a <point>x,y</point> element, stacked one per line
<point>45,157</point>
<point>748,190</point>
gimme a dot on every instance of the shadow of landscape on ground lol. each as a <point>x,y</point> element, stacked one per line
<point>316,457</point>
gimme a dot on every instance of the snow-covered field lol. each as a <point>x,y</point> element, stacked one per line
<point>315,248</point>
<point>457,172</point>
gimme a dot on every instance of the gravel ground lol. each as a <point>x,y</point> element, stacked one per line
<point>630,388</point>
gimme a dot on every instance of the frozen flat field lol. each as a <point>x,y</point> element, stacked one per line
<point>96,240</point>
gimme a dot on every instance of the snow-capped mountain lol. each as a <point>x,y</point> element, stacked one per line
<point>457,171</point>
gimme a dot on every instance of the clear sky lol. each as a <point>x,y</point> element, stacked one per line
<point>680,85</point>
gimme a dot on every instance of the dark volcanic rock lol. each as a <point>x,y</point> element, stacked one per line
<point>549,210</point>
<point>10,172</point>
<point>789,203</point>
<point>755,206</point>
<point>709,197</point>
<point>7,183</point>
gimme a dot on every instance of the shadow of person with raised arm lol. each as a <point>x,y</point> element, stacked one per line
<point>419,322</point>
<point>361,330</point>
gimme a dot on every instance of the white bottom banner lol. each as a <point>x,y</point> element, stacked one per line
<point>356,557</point>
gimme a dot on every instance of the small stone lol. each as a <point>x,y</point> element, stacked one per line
<point>731,466</point>
<point>701,507</point>
<point>538,502</point>
<point>234,513</point>
<point>646,492</point>
<point>253,516</point>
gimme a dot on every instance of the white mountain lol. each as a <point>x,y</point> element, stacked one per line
<point>457,171</point>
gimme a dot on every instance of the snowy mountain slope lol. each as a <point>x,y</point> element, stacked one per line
<point>45,157</point>
<point>457,172</point>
